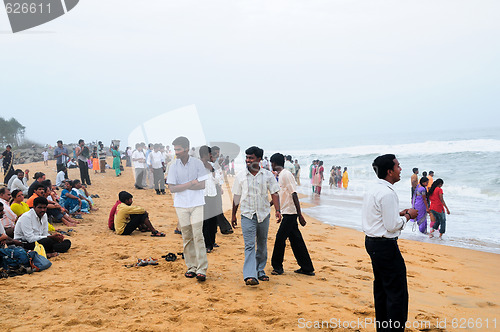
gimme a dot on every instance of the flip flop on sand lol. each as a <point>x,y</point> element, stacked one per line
<point>251,281</point>
<point>157,234</point>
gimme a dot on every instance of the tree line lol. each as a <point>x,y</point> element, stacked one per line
<point>11,132</point>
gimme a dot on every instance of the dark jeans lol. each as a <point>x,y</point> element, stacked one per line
<point>390,289</point>
<point>289,229</point>
<point>50,245</point>
<point>440,221</point>
<point>84,172</point>
<point>222,222</point>
<point>135,221</point>
<point>209,222</point>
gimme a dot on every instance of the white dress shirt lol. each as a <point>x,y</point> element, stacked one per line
<point>138,155</point>
<point>60,177</point>
<point>9,217</point>
<point>254,192</point>
<point>215,178</point>
<point>18,184</point>
<point>156,159</point>
<point>179,173</point>
<point>381,212</point>
<point>30,228</point>
<point>287,184</point>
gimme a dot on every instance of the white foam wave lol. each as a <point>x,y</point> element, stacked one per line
<point>425,148</point>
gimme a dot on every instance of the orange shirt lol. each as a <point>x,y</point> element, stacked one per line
<point>31,199</point>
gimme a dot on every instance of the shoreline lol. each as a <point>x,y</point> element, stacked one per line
<point>89,287</point>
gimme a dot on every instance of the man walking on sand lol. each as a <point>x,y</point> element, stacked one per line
<point>289,229</point>
<point>186,180</point>
<point>250,189</point>
<point>382,224</point>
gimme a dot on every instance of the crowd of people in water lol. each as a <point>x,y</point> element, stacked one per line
<point>427,197</point>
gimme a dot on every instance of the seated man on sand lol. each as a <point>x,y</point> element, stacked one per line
<point>33,226</point>
<point>84,195</point>
<point>62,175</point>
<point>39,192</point>
<point>4,237</point>
<point>9,218</point>
<point>128,217</point>
<point>71,201</point>
<point>19,181</point>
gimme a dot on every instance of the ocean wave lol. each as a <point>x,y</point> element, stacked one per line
<point>423,148</point>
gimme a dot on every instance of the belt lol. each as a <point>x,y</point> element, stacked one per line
<point>369,238</point>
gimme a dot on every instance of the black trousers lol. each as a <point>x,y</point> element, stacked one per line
<point>50,245</point>
<point>390,289</point>
<point>222,222</point>
<point>159,178</point>
<point>210,221</point>
<point>289,229</point>
<point>84,172</point>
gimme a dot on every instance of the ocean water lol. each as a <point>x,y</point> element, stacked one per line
<point>470,169</point>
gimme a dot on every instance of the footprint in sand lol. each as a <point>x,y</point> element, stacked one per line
<point>486,304</point>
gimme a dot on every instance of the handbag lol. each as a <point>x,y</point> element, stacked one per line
<point>38,262</point>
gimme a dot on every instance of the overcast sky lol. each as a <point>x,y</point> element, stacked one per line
<point>281,71</point>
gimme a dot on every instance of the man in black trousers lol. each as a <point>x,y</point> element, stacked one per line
<point>83,154</point>
<point>289,229</point>
<point>382,224</point>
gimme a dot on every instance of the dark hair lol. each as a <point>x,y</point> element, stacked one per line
<point>415,170</point>
<point>182,141</point>
<point>434,185</point>
<point>215,148</point>
<point>40,201</point>
<point>38,186</point>
<point>14,194</point>
<point>59,141</point>
<point>431,172</point>
<point>74,182</point>
<point>38,175</point>
<point>8,146</point>
<point>204,151</point>
<point>258,152</point>
<point>80,140</point>
<point>289,158</point>
<point>278,159</point>
<point>47,183</point>
<point>423,180</point>
<point>2,190</point>
<point>1,204</point>
<point>424,173</point>
<point>19,171</point>
<point>124,196</point>
<point>382,164</point>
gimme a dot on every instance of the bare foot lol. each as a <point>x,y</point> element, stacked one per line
<point>52,254</point>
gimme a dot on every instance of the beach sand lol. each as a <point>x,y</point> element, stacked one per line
<point>88,288</point>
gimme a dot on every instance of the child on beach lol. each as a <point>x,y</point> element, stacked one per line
<point>437,207</point>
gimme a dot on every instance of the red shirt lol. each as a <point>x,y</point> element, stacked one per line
<point>111,219</point>
<point>436,203</point>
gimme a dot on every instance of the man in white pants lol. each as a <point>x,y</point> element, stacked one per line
<point>186,180</point>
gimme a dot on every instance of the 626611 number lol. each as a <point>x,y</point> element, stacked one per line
<point>25,8</point>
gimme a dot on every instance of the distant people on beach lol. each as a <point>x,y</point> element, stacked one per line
<point>290,211</point>
<point>421,204</point>
<point>139,162</point>
<point>9,218</point>
<point>382,223</point>
<point>251,188</point>
<point>312,171</point>
<point>102,157</point>
<point>431,179</point>
<point>156,163</point>
<point>414,181</point>
<point>345,178</point>
<point>297,172</point>
<point>61,155</point>
<point>438,207</point>
<point>82,155</point>
<point>45,155</point>
<point>8,163</point>
<point>288,164</point>
<point>318,177</point>
<point>210,211</point>
<point>117,162</point>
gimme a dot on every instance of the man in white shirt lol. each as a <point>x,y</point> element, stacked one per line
<point>289,165</point>
<point>45,155</point>
<point>186,180</point>
<point>156,162</point>
<point>61,176</point>
<point>139,162</point>
<point>251,188</point>
<point>289,229</point>
<point>33,226</point>
<point>20,182</point>
<point>8,220</point>
<point>382,223</point>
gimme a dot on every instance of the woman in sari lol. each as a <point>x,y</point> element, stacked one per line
<point>421,204</point>
<point>116,160</point>
<point>319,177</point>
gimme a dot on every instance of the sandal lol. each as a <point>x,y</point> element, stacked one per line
<point>277,272</point>
<point>170,257</point>
<point>157,234</point>
<point>251,281</point>
<point>201,277</point>
<point>264,278</point>
<point>152,261</point>
<point>190,274</point>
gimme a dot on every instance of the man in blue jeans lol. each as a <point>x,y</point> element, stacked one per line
<point>250,189</point>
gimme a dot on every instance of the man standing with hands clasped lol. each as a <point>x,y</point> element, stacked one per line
<point>382,224</point>
<point>251,187</point>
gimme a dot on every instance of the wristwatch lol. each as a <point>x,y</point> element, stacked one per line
<point>408,215</point>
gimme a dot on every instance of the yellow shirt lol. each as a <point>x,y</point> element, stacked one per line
<point>122,217</point>
<point>431,180</point>
<point>19,209</point>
